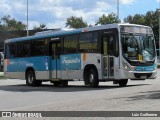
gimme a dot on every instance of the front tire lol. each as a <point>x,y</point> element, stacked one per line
<point>92,77</point>
<point>31,79</point>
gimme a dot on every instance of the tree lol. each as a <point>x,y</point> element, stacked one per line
<point>75,22</point>
<point>128,19</point>
<point>152,19</point>
<point>10,24</point>
<point>136,19</point>
<point>41,27</point>
<point>110,18</point>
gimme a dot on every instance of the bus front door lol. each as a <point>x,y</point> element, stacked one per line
<point>108,56</point>
<point>55,60</point>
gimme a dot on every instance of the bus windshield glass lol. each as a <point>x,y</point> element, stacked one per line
<point>138,47</point>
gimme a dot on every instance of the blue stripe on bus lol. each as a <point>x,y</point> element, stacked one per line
<point>145,68</point>
<point>45,63</point>
<point>20,64</point>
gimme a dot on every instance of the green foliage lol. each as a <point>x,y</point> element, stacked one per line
<point>110,18</point>
<point>152,19</point>
<point>75,22</point>
<point>10,24</point>
<point>41,27</point>
<point>137,19</point>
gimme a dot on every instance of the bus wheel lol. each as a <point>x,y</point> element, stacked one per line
<point>93,78</point>
<point>86,80</point>
<point>31,79</point>
<point>123,83</point>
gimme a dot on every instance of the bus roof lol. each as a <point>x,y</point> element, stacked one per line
<point>47,34</point>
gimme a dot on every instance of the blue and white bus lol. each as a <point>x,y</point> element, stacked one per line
<point>113,52</point>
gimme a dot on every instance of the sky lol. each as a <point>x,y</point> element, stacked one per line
<point>54,13</point>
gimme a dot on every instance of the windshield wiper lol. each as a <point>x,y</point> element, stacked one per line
<point>135,40</point>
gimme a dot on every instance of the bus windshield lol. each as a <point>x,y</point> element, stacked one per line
<point>136,45</point>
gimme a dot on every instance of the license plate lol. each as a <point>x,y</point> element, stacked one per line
<point>143,77</point>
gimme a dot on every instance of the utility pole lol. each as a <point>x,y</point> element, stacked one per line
<point>158,51</point>
<point>118,9</point>
<point>27,19</point>
<point>159,30</point>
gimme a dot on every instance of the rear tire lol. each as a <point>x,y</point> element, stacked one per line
<point>31,79</point>
<point>123,83</point>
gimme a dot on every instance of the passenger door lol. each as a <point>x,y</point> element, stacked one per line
<point>55,60</point>
<point>108,56</point>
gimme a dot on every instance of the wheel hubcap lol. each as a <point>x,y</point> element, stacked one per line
<point>91,77</point>
<point>30,78</point>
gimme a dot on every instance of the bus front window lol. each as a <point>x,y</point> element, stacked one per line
<point>148,51</point>
<point>130,47</point>
<point>135,45</point>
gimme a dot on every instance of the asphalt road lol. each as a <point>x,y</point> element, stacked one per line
<point>137,96</point>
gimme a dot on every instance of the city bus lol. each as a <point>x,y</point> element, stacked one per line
<point>112,52</point>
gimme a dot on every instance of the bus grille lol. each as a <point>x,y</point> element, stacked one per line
<point>139,75</point>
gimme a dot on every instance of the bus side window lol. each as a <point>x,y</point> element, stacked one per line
<point>111,45</point>
<point>71,44</point>
<point>39,47</point>
<point>116,46</point>
<point>10,51</point>
<point>88,42</point>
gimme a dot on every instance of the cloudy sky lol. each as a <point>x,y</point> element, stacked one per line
<point>54,13</point>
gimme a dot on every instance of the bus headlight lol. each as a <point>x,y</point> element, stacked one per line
<point>126,67</point>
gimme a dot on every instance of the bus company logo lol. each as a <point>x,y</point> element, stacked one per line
<point>68,61</point>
